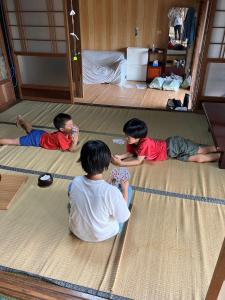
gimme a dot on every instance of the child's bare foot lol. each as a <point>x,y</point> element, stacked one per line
<point>18,119</point>
<point>20,122</point>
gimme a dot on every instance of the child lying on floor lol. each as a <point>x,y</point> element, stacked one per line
<point>65,138</point>
<point>145,148</point>
<point>97,208</point>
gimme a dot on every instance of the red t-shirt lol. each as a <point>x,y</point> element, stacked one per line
<point>150,148</point>
<point>56,141</point>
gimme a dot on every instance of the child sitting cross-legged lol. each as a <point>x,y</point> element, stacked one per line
<point>96,208</point>
<point>140,147</point>
<point>65,138</point>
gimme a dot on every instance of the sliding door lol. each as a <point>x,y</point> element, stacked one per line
<point>7,95</point>
<point>212,73</point>
<point>40,41</point>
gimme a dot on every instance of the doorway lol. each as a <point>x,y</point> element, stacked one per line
<point>116,27</point>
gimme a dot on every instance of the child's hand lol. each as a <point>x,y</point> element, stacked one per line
<point>116,161</point>
<point>75,138</point>
<point>118,156</point>
<point>75,130</point>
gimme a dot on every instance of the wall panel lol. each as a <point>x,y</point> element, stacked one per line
<point>110,24</point>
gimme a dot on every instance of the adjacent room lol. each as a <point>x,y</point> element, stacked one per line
<point>125,95</point>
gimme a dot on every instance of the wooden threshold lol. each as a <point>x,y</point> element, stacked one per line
<point>4,81</point>
<point>7,105</point>
<point>76,101</point>
<point>43,99</point>
<point>45,87</point>
<point>28,288</point>
<point>46,93</point>
<point>211,99</point>
<point>216,60</point>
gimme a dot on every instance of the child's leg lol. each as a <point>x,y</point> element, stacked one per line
<point>129,202</point>
<point>23,124</point>
<point>68,207</point>
<point>201,158</point>
<point>186,150</point>
<point>207,149</point>
<point>10,141</point>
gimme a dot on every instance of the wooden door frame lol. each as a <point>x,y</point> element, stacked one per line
<point>199,50</point>
<point>204,60</point>
<point>218,276</point>
<point>197,56</point>
<point>208,31</point>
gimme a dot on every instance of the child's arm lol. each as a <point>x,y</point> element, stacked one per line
<point>73,146</point>
<point>124,189</point>
<point>75,139</point>
<point>134,162</point>
<point>124,156</point>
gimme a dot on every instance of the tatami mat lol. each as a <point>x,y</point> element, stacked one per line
<point>35,238</point>
<point>173,237</point>
<point>39,159</point>
<point>171,175</point>
<point>186,178</point>
<point>111,120</point>
<point>170,249</point>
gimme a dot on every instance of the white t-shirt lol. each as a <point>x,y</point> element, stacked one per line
<point>178,20</point>
<point>96,210</point>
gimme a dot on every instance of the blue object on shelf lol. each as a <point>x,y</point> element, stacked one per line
<point>155,63</point>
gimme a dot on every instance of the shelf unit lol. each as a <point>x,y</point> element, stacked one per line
<point>155,71</point>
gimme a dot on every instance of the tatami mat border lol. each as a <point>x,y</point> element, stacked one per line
<point>181,196</point>
<point>211,200</point>
<point>65,284</point>
<point>53,128</point>
<point>32,172</point>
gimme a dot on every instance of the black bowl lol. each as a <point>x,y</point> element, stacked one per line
<point>45,179</point>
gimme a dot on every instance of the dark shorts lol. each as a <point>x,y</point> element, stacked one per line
<point>177,28</point>
<point>32,138</point>
<point>181,148</point>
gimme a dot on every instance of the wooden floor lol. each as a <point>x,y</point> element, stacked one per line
<point>130,96</point>
<point>28,288</point>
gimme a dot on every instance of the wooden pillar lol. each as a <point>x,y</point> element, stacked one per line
<point>218,276</point>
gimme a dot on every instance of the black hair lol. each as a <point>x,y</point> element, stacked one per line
<point>95,157</point>
<point>60,120</point>
<point>135,128</point>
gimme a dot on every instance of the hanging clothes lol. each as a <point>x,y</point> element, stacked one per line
<point>190,27</point>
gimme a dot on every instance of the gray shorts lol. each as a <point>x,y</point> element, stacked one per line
<point>181,148</point>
